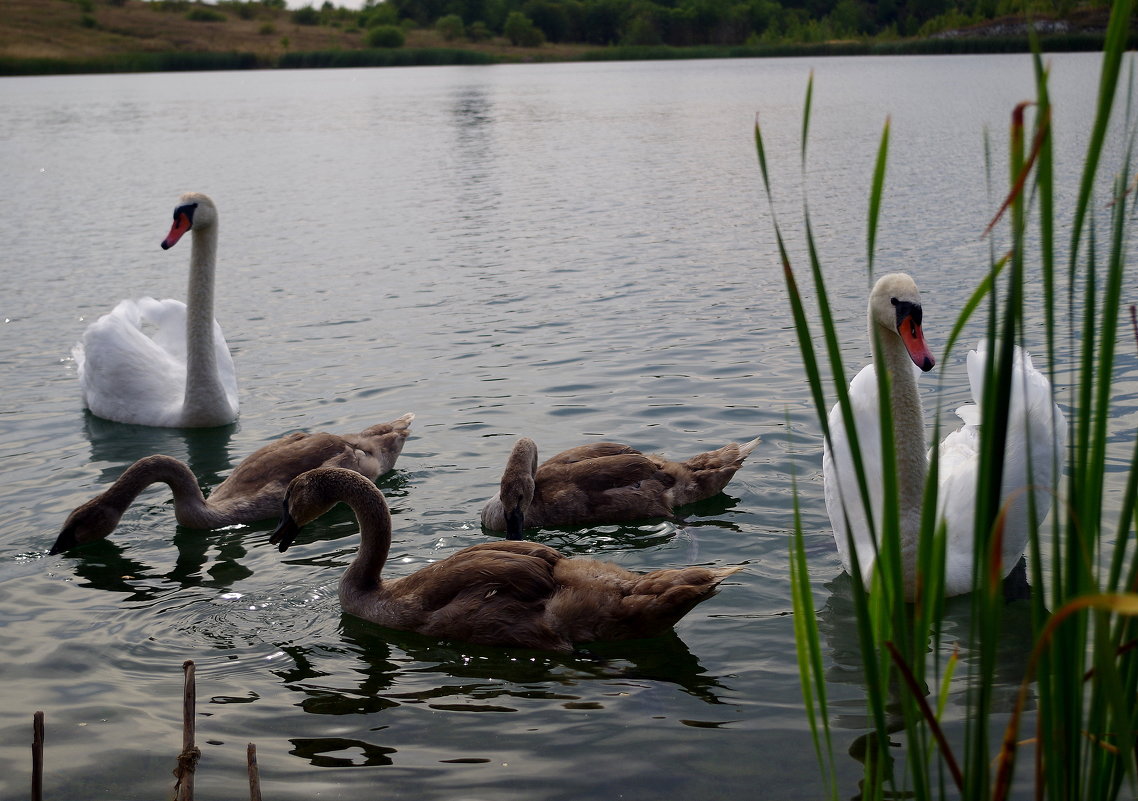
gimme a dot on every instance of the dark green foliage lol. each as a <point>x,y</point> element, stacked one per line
<point>604,21</point>
<point>559,22</point>
<point>521,31</point>
<point>450,27</point>
<point>477,31</point>
<point>686,23</point>
<point>306,16</point>
<point>242,9</point>
<point>204,15</point>
<point>385,36</point>
<point>383,14</point>
<point>131,62</point>
<point>420,57</point>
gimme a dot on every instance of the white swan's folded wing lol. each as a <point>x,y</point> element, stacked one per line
<point>1036,440</point>
<point>120,364</point>
<point>843,498</point>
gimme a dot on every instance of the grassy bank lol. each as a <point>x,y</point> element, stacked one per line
<point>97,36</point>
<point>433,56</point>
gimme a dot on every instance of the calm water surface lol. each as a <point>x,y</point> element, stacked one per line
<point>572,252</point>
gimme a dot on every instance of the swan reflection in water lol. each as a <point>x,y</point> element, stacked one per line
<point>105,565</point>
<point>395,669</point>
<point>837,626</point>
<point>205,450</point>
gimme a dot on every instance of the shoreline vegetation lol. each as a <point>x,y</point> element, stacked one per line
<point>939,722</point>
<point>42,37</point>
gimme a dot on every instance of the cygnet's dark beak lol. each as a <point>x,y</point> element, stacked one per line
<point>515,524</point>
<point>64,542</point>
<point>286,530</point>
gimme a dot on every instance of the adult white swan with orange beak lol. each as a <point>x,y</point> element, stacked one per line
<point>1037,432</point>
<point>164,362</point>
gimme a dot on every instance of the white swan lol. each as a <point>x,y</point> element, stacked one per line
<point>182,375</point>
<point>1037,433</point>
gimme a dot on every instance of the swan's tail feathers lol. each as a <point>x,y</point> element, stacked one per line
<point>1031,399</point>
<point>400,425</point>
<point>708,473</point>
<point>1035,447</point>
<point>969,413</point>
<point>661,598</point>
<point>721,573</point>
<point>384,441</point>
<point>746,448</point>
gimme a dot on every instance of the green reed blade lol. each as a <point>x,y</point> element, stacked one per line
<point>1117,33</point>
<point>875,194</point>
<point>808,645</point>
<point>1086,721</point>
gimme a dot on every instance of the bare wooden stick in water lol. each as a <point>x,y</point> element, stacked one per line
<point>37,756</point>
<point>188,759</point>
<point>254,778</point>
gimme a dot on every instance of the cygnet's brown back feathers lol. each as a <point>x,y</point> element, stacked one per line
<point>607,482</point>
<point>602,601</point>
<point>264,475</point>
<point>506,592</point>
<point>529,595</point>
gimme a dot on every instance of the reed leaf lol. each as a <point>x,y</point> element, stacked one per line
<point>809,652</point>
<point>875,194</point>
<point>1084,662</point>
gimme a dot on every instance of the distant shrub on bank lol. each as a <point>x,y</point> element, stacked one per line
<point>306,16</point>
<point>478,31</point>
<point>204,15</point>
<point>242,9</point>
<point>385,36</point>
<point>521,31</point>
<point>450,27</point>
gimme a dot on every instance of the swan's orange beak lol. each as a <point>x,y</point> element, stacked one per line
<point>914,339</point>
<point>182,223</point>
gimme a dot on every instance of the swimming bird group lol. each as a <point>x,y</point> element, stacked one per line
<point>515,592</point>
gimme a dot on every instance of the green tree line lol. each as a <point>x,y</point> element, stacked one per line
<point>684,23</point>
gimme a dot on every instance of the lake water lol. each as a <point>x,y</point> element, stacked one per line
<point>572,252</point>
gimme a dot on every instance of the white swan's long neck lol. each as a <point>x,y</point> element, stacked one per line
<point>204,395</point>
<point>908,441</point>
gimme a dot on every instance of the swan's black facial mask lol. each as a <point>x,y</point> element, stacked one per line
<point>907,309</point>
<point>183,221</point>
<point>909,317</point>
